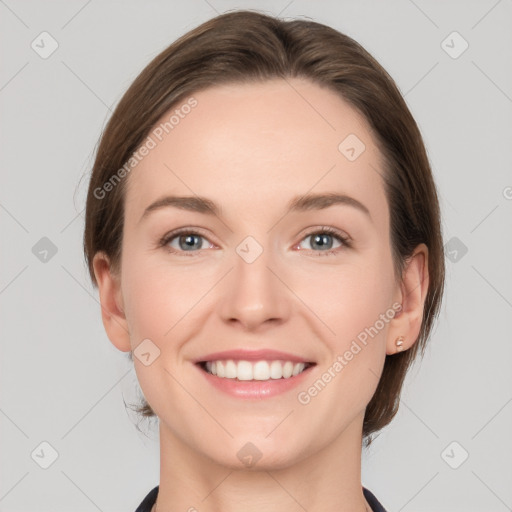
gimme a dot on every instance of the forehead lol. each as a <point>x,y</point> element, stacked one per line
<point>252,147</point>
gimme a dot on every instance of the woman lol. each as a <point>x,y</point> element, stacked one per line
<point>264,231</point>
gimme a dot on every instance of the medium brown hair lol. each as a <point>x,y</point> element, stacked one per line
<point>250,47</point>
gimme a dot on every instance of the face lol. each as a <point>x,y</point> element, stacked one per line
<point>271,270</point>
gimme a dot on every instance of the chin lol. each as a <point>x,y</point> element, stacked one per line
<point>257,455</point>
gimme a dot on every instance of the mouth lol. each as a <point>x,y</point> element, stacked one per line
<point>262,370</point>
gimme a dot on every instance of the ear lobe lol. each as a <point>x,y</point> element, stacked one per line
<point>413,291</point>
<point>110,293</point>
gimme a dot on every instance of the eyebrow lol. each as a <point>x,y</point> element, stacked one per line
<point>298,204</point>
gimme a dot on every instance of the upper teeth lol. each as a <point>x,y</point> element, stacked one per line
<point>258,370</point>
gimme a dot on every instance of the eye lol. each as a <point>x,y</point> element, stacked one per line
<point>185,241</point>
<point>323,240</point>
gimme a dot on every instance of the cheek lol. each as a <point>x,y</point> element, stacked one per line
<point>351,297</point>
<point>159,294</point>
<point>351,302</point>
<point>147,292</point>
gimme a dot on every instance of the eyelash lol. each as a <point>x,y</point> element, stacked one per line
<point>346,242</point>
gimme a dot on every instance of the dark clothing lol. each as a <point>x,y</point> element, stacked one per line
<point>373,501</point>
<point>150,499</point>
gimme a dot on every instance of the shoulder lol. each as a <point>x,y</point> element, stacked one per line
<point>148,501</point>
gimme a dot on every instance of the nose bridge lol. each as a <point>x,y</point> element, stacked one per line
<point>253,293</point>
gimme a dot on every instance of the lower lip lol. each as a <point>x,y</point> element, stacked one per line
<point>255,389</point>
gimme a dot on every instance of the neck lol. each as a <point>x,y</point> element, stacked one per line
<point>328,480</point>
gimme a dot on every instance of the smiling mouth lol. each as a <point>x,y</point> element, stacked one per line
<point>243,370</point>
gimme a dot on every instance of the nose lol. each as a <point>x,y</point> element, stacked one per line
<point>254,294</point>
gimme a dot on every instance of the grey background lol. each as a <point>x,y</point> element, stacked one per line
<point>61,380</point>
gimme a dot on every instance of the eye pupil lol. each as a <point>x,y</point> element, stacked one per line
<point>189,241</point>
<point>320,239</point>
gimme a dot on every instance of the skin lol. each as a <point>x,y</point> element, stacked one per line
<point>251,148</point>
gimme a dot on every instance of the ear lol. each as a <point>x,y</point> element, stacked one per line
<point>411,294</point>
<point>112,313</point>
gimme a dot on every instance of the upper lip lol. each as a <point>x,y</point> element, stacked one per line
<point>252,355</point>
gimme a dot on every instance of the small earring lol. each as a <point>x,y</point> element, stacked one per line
<point>399,343</point>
